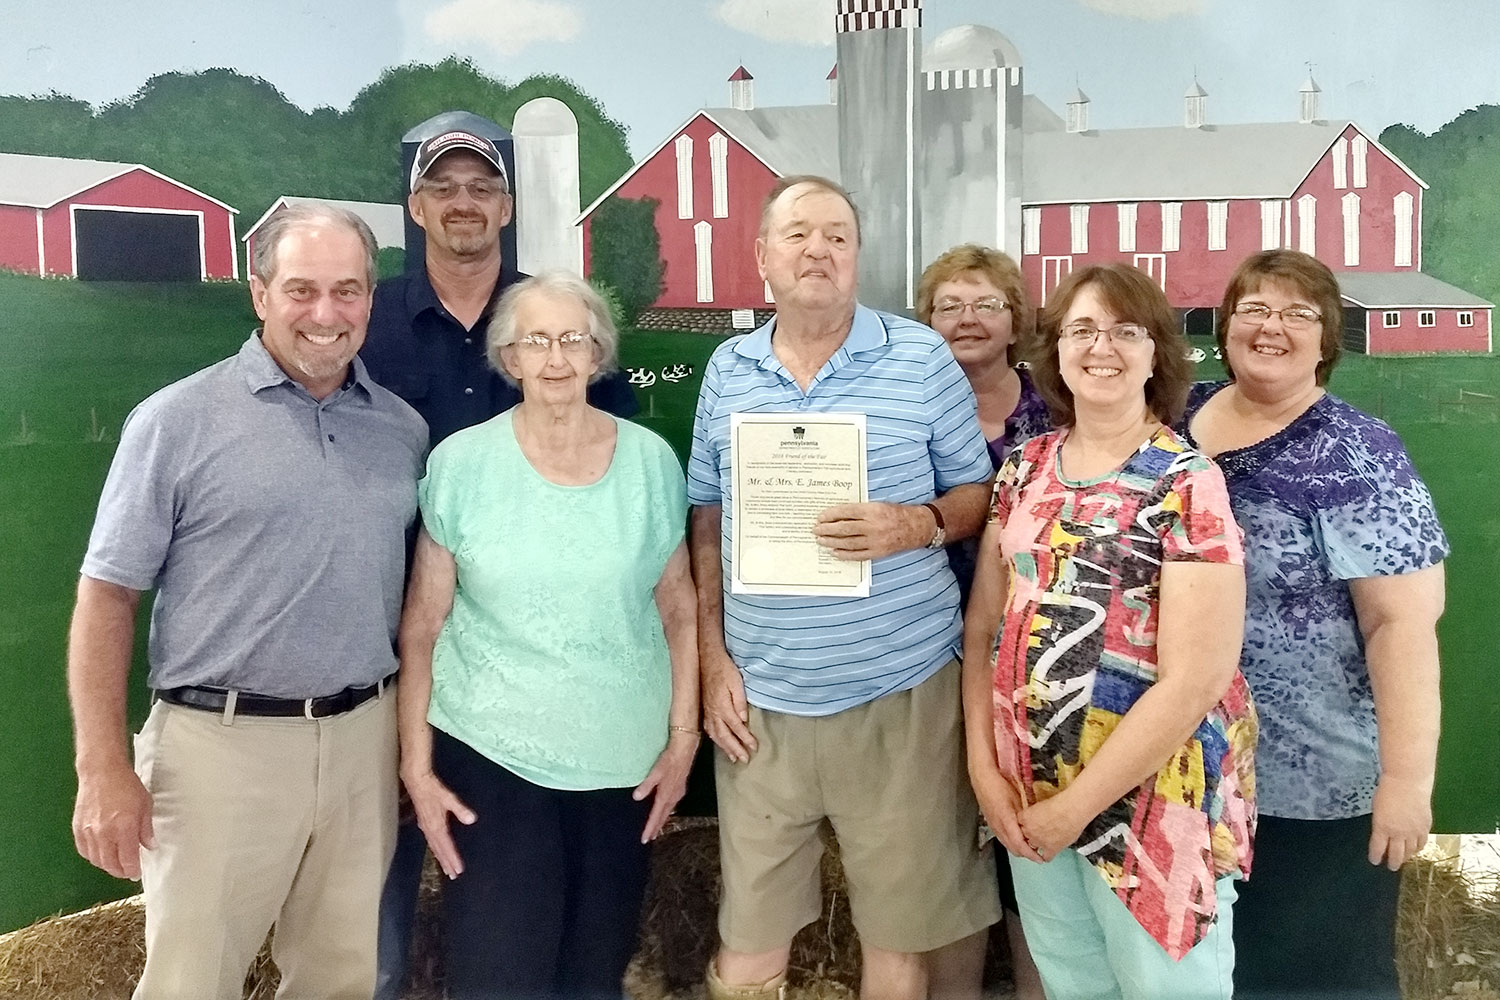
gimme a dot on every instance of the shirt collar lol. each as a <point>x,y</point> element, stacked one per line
<point>867,332</point>
<point>421,296</point>
<point>262,372</point>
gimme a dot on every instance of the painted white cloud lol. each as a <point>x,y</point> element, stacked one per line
<point>507,26</point>
<point>801,22</point>
<point>1146,10</point>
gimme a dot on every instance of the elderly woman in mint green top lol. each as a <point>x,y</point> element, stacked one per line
<point>549,673</point>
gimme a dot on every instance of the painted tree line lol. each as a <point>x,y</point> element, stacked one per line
<point>239,139</point>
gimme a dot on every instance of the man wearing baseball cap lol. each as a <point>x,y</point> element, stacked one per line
<point>426,343</point>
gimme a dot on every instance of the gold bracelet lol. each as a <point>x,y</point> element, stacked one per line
<point>685,729</point>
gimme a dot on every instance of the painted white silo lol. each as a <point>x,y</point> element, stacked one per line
<point>546,138</point>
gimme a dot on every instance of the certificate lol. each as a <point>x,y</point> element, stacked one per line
<point>786,468</point>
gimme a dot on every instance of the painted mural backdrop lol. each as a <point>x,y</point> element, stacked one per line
<point>1177,135</point>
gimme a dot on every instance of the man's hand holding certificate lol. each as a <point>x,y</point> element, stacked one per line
<point>789,469</point>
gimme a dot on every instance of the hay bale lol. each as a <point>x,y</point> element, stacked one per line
<point>96,954</point>
<point>1447,930</point>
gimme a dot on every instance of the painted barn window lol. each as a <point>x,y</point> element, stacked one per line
<point>1341,163</point>
<point>1171,225</point>
<point>1126,210</point>
<point>1079,217</point>
<point>1307,224</point>
<point>718,158</point>
<point>684,146</point>
<point>1031,230</point>
<point>1270,225</point>
<point>1218,225</point>
<point>1390,319</point>
<point>1426,317</point>
<point>703,244</point>
<point>1359,153</point>
<point>1465,319</point>
<point>1402,209</point>
<point>1350,204</point>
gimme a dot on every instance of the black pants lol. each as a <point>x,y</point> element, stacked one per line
<point>1316,919</point>
<point>550,898</point>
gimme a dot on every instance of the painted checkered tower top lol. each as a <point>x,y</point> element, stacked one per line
<point>864,15</point>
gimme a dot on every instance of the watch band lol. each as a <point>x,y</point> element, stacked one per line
<point>939,536</point>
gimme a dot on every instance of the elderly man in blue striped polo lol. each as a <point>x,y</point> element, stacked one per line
<point>841,708</point>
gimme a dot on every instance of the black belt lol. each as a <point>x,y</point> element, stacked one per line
<point>218,700</point>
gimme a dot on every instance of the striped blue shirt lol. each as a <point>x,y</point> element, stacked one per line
<point>821,655</point>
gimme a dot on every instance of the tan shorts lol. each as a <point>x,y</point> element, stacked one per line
<point>891,779</point>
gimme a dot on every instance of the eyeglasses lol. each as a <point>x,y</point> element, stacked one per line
<point>571,342</point>
<point>1292,317</point>
<point>985,307</point>
<point>479,190</point>
<point>1084,334</point>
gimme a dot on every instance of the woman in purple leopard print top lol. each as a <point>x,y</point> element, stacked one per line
<point>1343,553</point>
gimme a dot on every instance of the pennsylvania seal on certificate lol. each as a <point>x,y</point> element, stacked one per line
<point>788,467</point>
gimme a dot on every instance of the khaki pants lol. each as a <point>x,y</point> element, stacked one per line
<point>266,821</point>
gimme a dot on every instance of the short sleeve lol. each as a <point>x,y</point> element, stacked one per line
<point>1194,520</point>
<point>435,497</point>
<point>1002,497</point>
<point>670,500</point>
<point>138,507</point>
<point>960,454</point>
<point>1390,526</point>
<point>703,486</point>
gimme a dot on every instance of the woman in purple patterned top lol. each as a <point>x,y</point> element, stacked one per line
<point>1344,555</point>
<point>976,298</point>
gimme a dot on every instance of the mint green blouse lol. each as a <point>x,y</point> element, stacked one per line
<point>553,662</point>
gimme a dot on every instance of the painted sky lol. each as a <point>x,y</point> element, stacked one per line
<point>653,62</point>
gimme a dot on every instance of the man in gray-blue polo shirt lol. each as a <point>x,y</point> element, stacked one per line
<point>266,499</point>
<point>844,709</point>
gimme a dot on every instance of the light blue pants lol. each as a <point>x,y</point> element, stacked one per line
<point>1087,946</point>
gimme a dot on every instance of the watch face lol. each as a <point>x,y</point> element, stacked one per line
<point>939,539</point>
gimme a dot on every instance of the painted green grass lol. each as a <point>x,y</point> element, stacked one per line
<point>75,357</point>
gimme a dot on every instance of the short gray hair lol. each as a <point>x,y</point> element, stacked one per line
<point>303,213</point>
<point>503,331</point>
<point>785,184</point>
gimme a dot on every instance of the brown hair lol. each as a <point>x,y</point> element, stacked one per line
<point>1305,275</point>
<point>784,184</point>
<point>1128,293</point>
<point>992,265</point>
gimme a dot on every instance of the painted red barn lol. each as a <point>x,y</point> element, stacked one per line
<point>1185,203</point>
<point>94,219</point>
<point>710,177</point>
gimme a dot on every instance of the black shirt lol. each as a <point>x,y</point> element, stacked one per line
<point>419,351</point>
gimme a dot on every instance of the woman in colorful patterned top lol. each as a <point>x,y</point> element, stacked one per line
<point>1111,735</point>
<point>976,298</point>
<point>549,667</point>
<point>1344,557</point>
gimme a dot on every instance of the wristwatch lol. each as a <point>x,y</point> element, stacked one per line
<point>940,536</point>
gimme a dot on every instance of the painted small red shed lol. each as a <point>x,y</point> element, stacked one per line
<point>95,219</point>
